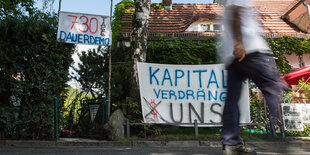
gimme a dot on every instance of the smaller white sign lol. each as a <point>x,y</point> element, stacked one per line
<point>305,109</point>
<point>292,117</point>
<point>81,28</point>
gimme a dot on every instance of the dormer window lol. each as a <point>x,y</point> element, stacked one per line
<point>210,27</point>
<point>205,26</point>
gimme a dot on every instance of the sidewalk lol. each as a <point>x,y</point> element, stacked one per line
<point>144,143</point>
<point>104,143</point>
<point>78,146</point>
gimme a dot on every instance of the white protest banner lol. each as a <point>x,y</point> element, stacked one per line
<point>184,93</point>
<point>81,28</point>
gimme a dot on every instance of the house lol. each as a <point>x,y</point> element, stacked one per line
<point>199,21</point>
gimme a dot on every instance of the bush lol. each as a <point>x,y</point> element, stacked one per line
<point>33,71</point>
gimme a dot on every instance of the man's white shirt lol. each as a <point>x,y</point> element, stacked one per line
<point>252,32</point>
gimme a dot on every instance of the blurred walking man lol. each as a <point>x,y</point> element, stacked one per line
<point>245,52</point>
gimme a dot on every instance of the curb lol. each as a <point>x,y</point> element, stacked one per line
<point>181,144</point>
<point>150,144</point>
<point>27,143</point>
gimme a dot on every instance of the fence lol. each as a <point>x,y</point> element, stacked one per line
<point>88,105</point>
<point>196,126</point>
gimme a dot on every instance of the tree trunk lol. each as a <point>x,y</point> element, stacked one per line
<point>138,41</point>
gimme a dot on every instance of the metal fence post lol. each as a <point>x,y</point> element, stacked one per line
<point>272,126</point>
<point>56,103</point>
<point>106,109</point>
<point>103,110</point>
<point>250,130</point>
<point>196,128</point>
<point>127,128</point>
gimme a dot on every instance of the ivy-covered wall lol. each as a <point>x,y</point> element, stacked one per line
<point>174,51</point>
<point>182,51</point>
<point>288,45</point>
<point>120,8</point>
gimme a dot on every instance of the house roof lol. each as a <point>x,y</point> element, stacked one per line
<point>182,16</point>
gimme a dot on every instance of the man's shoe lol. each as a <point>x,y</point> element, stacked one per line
<point>238,149</point>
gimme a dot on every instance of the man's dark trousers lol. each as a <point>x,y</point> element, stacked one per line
<point>261,69</point>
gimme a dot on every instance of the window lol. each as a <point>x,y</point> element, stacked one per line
<point>205,27</point>
<point>217,27</point>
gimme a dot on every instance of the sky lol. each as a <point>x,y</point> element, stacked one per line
<point>99,7</point>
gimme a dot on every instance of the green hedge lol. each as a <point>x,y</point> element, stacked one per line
<point>182,51</point>
<point>28,47</point>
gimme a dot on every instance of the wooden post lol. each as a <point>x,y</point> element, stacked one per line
<point>110,67</point>
<point>59,8</point>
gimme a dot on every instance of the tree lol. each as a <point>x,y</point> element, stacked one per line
<point>20,7</point>
<point>16,7</point>
<point>46,2</point>
<point>139,41</point>
<point>91,72</point>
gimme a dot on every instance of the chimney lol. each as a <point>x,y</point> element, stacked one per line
<point>168,4</point>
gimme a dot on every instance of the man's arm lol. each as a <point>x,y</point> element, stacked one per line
<point>239,51</point>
